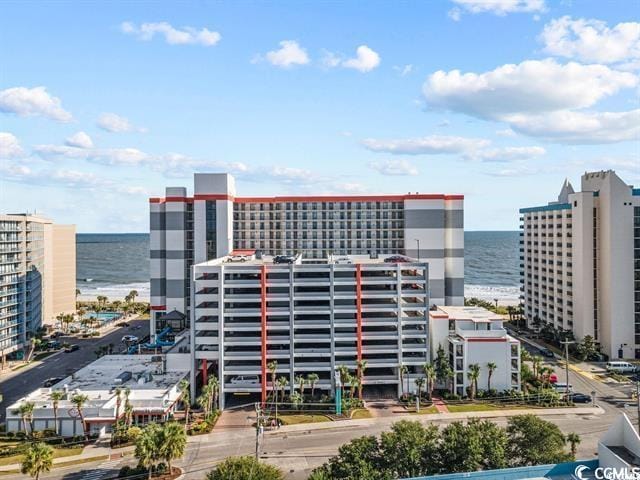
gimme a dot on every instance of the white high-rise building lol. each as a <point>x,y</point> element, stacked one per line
<point>580,263</point>
<point>213,222</point>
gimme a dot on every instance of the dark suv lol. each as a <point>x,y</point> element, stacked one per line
<point>396,259</point>
<point>283,259</point>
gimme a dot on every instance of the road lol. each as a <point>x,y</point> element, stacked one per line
<point>16,385</point>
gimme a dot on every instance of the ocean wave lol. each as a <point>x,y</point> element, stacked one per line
<point>113,292</point>
<point>491,292</point>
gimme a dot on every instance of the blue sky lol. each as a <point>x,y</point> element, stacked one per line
<point>103,104</point>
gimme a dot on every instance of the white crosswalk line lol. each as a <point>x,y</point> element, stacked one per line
<point>101,470</point>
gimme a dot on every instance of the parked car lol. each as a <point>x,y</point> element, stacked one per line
<point>579,397</point>
<point>71,348</point>
<point>49,382</point>
<point>561,387</point>
<point>284,259</point>
<point>396,259</point>
<point>239,258</point>
<point>545,352</point>
<point>343,261</point>
<point>123,324</point>
<point>621,367</point>
<point>53,345</point>
<point>245,380</point>
<point>129,339</point>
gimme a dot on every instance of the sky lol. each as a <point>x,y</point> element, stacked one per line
<point>104,104</point>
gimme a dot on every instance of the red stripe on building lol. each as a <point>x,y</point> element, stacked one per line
<point>158,307</point>
<point>486,339</point>
<point>454,197</point>
<point>359,310</point>
<point>213,196</point>
<point>204,372</point>
<point>263,336</point>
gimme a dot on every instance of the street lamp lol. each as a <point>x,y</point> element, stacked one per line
<point>566,363</point>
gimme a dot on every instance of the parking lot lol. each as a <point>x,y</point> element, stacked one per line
<point>16,385</point>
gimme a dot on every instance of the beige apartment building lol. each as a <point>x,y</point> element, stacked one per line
<point>37,276</point>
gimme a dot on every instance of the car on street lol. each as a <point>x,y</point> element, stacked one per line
<point>71,348</point>
<point>49,382</point>
<point>579,397</point>
<point>136,327</point>
<point>621,367</point>
<point>545,352</point>
<point>129,339</point>
<point>123,324</point>
<point>53,345</point>
<point>396,259</point>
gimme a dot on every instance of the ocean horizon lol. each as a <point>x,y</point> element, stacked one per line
<point>113,264</point>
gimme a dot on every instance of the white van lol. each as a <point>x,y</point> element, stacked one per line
<point>621,367</point>
<point>245,380</point>
<point>561,387</point>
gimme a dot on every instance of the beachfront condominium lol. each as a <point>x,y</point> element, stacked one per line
<point>214,221</point>
<point>310,318</point>
<point>580,263</point>
<point>37,276</point>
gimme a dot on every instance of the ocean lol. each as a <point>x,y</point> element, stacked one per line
<point>114,264</point>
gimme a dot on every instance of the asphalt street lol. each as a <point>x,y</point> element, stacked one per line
<point>17,384</point>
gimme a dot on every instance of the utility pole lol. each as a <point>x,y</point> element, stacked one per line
<point>566,363</point>
<point>258,429</point>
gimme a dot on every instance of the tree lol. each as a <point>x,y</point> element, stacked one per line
<point>533,441</point>
<point>300,380</point>
<point>244,468</point>
<point>441,364</point>
<point>128,408</point>
<point>473,374</point>
<point>133,294</point>
<point>493,443</point>
<point>361,458</point>
<point>574,440</point>
<point>536,363</point>
<point>403,371</point>
<point>430,376</point>
<point>420,381</point>
<point>186,400</point>
<point>56,396</point>
<point>491,367</point>
<point>171,442</point>
<point>460,449</point>
<point>344,374</point>
<point>25,410</point>
<point>78,401</point>
<point>147,449</point>
<point>296,399</point>
<point>214,391</point>
<point>273,370</point>
<point>282,383</point>
<point>38,459</point>
<point>409,449</point>
<point>587,349</point>
<point>362,366</point>
<point>313,378</point>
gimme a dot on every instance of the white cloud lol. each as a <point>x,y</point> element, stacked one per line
<point>403,70</point>
<point>10,146</point>
<point>105,156</point>
<point>533,86</point>
<point>117,124</point>
<point>366,60</point>
<point>506,132</point>
<point>580,127</point>
<point>455,14</point>
<point>289,54</point>
<point>431,145</point>
<point>79,140</point>
<point>591,40</point>
<point>506,154</point>
<point>30,102</point>
<point>394,167</point>
<point>330,59</point>
<point>172,35</point>
<point>497,7</point>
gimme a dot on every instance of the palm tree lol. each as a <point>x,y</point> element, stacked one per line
<point>174,441</point>
<point>203,401</point>
<point>133,294</point>
<point>56,396</point>
<point>148,447</point>
<point>419,384</point>
<point>186,400</point>
<point>25,410</point>
<point>300,380</point>
<point>296,399</point>
<point>430,375</point>
<point>282,383</point>
<point>313,378</point>
<point>574,441</point>
<point>536,363</point>
<point>491,367</point>
<point>79,401</point>
<point>362,366</point>
<point>38,459</point>
<point>273,367</point>
<point>403,371</point>
<point>473,374</point>
<point>128,409</point>
<point>214,389</point>
<point>344,374</point>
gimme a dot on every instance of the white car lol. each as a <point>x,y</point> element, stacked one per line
<point>239,258</point>
<point>129,339</point>
<point>245,380</point>
<point>621,367</point>
<point>343,261</point>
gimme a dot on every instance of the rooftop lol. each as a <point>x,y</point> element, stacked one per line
<point>246,258</point>
<point>475,314</point>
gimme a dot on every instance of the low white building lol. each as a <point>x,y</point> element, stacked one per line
<point>474,335</point>
<point>153,395</point>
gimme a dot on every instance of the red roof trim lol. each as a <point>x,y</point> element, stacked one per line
<point>305,198</point>
<point>158,307</point>
<point>243,252</point>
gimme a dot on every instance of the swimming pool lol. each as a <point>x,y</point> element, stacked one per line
<point>103,317</point>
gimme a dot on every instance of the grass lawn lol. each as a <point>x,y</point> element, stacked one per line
<point>57,453</point>
<point>360,413</point>
<point>62,464</point>
<point>296,419</point>
<point>425,410</point>
<point>473,407</point>
<point>40,356</point>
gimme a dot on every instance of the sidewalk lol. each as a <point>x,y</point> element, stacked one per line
<point>436,416</point>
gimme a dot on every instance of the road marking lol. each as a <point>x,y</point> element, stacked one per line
<point>101,470</point>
